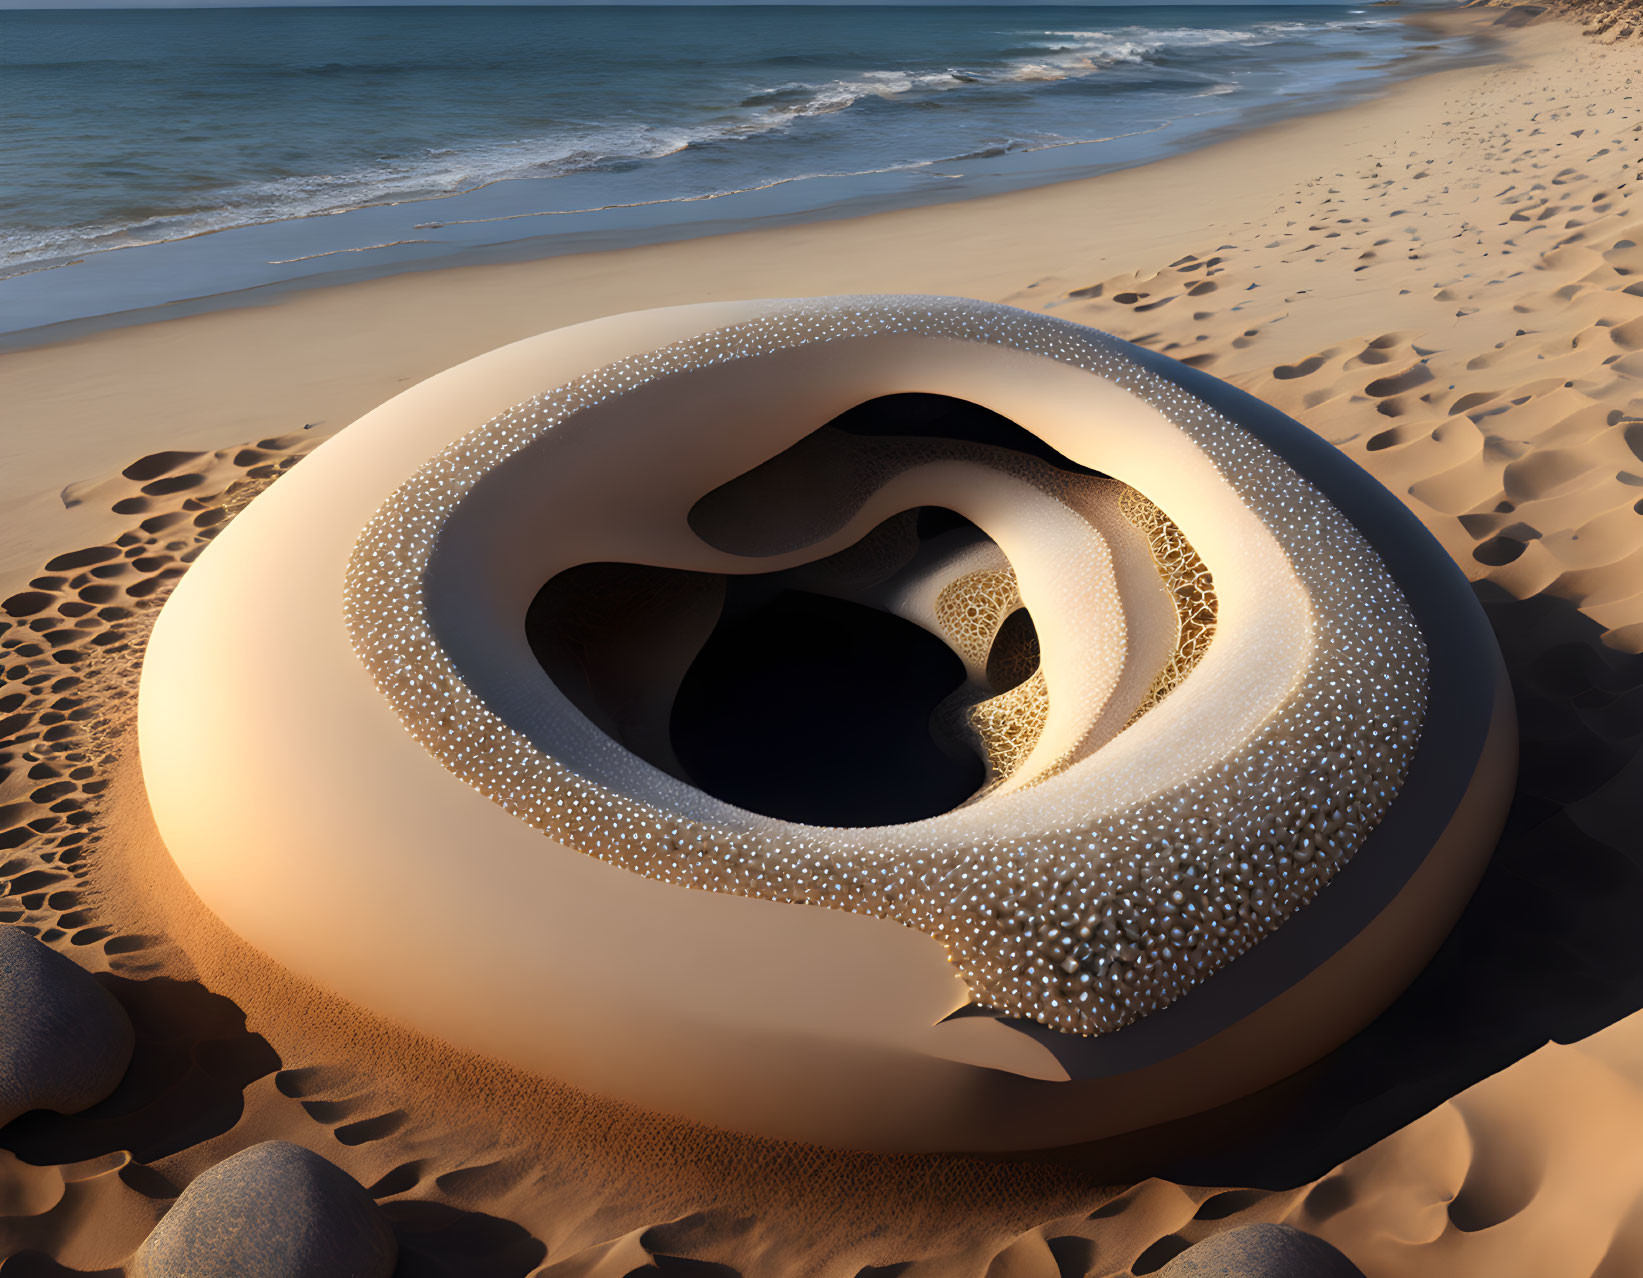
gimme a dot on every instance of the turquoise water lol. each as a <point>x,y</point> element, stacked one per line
<point>438,130</point>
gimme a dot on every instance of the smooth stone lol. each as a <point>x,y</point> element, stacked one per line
<point>1261,1251</point>
<point>67,1041</point>
<point>275,1210</point>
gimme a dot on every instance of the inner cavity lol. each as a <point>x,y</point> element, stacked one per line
<point>897,677</point>
<point>802,694</point>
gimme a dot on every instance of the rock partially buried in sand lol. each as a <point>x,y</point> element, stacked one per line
<point>64,1040</point>
<point>275,1210</point>
<point>1261,1251</point>
<point>559,603</point>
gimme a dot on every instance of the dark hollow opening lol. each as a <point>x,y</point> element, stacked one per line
<point>1014,656</point>
<point>772,692</point>
<point>816,709</point>
<point>920,415</point>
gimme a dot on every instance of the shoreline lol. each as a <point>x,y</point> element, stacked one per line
<point>286,358</point>
<point>407,241</point>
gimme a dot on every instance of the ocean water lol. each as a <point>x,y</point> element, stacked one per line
<point>456,128</point>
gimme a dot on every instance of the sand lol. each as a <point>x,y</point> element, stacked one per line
<point>1447,283</point>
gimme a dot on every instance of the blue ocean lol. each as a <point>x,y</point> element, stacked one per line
<point>410,134</point>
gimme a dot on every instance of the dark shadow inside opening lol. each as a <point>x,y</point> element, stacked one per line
<point>919,415</point>
<point>794,694</point>
<point>1014,655</point>
<point>803,492</point>
<point>778,692</point>
<point>817,709</point>
<point>781,700</point>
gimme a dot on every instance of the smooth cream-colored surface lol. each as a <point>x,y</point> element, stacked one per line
<point>742,1005</point>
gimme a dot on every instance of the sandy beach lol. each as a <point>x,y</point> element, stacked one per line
<point>1445,282</point>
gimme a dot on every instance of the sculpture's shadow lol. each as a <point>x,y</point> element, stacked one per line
<point>1548,950</point>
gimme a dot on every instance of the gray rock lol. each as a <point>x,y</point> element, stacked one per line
<point>275,1210</point>
<point>1261,1251</point>
<point>64,1040</point>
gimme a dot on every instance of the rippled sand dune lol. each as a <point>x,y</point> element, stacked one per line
<point>1448,284</point>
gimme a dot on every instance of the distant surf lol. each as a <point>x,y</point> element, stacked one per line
<point>144,127</point>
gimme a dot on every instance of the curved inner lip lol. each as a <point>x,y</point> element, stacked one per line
<point>786,694</point>
<point>890,681</point>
